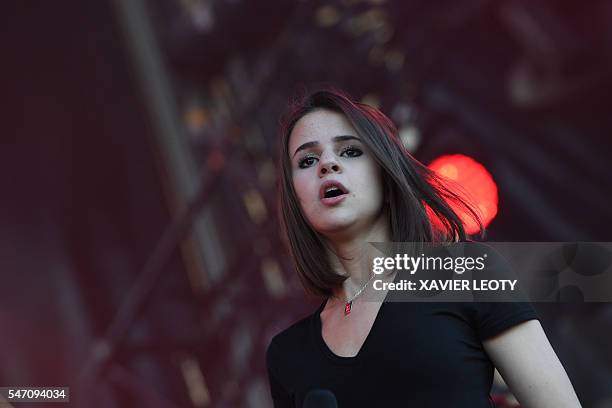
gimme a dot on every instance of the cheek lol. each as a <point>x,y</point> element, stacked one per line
<point>302,188</point>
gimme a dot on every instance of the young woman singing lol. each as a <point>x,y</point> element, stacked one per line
<point>347,180</point>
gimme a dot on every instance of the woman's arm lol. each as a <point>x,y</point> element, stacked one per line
<point>530,367</point>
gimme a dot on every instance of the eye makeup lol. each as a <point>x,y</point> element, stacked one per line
<point>349,151</point>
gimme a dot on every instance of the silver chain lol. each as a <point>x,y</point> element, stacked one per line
<point>360,290</point>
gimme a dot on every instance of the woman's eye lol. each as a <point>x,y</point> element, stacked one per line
<point>306,162</point>
<point>352,152</point>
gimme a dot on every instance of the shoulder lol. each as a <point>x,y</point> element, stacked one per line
<point>291,341</point>
<point>291,334</point>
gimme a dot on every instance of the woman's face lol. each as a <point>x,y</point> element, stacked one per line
<point>337,182</point>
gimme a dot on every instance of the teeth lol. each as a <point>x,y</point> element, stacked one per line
<point>327,190</point>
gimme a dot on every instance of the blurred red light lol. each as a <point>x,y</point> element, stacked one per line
<point>475,180</point>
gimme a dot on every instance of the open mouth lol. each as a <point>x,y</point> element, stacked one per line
<point>332,189</point>
<point>332,192</point>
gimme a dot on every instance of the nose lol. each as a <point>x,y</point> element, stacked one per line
<point>329,165</point>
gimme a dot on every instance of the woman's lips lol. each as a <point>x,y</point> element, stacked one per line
<point>331,201</point>
<point>331,183</point>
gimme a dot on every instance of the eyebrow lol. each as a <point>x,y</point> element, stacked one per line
<point>336,139</point>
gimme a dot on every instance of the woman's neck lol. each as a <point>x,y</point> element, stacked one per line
<point>349,256</point>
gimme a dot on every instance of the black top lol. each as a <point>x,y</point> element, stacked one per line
<point>416,355</point>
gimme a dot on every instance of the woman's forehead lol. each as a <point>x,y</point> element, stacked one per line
<point>320,126</point>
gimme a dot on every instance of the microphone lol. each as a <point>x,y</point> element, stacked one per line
<point>320,398</point>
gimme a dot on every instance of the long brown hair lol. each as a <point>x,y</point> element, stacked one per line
<point>409,188</point>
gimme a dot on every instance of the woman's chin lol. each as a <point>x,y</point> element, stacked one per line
<point>334,227</point>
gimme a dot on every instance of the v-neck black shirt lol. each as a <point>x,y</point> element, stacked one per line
<point>415,355</point>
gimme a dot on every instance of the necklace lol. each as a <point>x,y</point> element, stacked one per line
<point>349,302</point>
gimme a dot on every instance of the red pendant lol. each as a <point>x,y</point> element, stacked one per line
<point>347,308</point>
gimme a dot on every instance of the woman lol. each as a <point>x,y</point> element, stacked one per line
<point>346,181</point>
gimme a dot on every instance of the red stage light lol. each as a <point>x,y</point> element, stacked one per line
<point>475,180</point>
